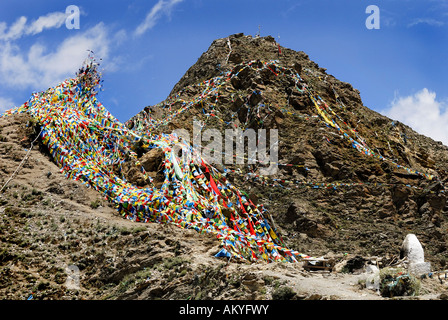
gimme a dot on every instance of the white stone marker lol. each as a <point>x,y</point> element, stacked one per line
<point>413,251</point>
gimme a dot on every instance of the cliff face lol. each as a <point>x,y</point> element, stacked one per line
<point>349,179</point>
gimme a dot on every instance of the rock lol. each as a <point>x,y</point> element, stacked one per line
<point>372,277</point>
<point>330,169</point>
<point>295,210</point>
<point>235,57</point>
<point>311,227</point>
<point>355,264</point>
<point>425,209</point>
<point>237,102</point>
<point>436,202</point>
<point>297,67</point>
<point>55,188</point>
<point>156,292</point>
<point>413,251</point>
<point>136,177</point>
<point>400,195</point>
<point>255,98</point>
<point>236,35</point>
<point>252,282</point>
<point>236,82</point>
<point>152,159</point>
<point>269,39</point>
<point>443,296</point>
<point>315,297</point>
<point>291,214</point>
<point>299,102</point>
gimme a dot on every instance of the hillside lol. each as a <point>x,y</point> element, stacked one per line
<point>359,185</point>
<point>350,185</point>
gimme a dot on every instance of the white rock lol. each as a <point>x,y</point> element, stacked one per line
<point>420,268</point>
<point>413,251</point>
<point>372,277</point>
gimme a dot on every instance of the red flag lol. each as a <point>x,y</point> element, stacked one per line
<point>214,186</point>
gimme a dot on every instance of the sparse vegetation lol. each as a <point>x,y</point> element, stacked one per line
<point>95,204</point>
<point>283,293</point>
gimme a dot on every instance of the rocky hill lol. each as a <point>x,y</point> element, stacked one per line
<point>349,181</point>
<point>349,185</point>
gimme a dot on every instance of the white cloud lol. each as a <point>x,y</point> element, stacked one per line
<point>160,8</point>
<point>20,27</point>
<point>6,104</point>
<point>41,67</point>
<point>430,22</point>
<point>16,30</point>
<point>120,36</point>
<point>51,20</point>
<point>423,113</point>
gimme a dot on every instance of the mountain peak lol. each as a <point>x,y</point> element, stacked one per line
<point>225,53</point>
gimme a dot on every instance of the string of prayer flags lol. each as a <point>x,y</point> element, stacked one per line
<point>86,141</point>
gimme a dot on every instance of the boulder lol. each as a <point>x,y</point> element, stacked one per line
<point>371,277</point>
<point>235,58</point>
<point>412,250</point>
<point>255,98</point>
<point>152,160</point>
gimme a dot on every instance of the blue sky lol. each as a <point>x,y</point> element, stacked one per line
<point>146,46</point>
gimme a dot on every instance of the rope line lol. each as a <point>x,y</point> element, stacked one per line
<point>21,163</point>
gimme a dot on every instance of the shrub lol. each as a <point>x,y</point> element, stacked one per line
<point>95,204</point>
<point>397,282</point>
<point>283,293</point>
